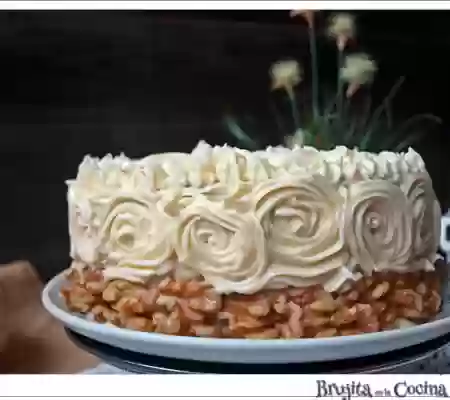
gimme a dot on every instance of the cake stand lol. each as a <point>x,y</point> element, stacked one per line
<point>413,359</point>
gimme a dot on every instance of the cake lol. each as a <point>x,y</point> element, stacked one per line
<point>277,243</point>
<point>326,237</point>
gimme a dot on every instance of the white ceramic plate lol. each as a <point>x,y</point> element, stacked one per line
<point>242,350</point>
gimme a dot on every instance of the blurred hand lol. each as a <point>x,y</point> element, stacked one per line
<point>31,341</point>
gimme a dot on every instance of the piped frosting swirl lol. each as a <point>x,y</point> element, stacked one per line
<point>252,220</point>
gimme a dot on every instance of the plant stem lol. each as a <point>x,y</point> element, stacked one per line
<point>278,119</point>
<point>239,134</point>
<point>342,113</point>
<point>379,111</point>
<point>366,115</point>
<point>351,124</point>
<point>340,83</point>
<point>294,109</point>
<point>350,138</point>
<point>314,72</point>
<point>409,141</point>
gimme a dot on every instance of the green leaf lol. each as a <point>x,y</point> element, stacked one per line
<point>397,133</point>
<point>409,141</point>
<point>367,108</point>
<point>351,133</point>
<point>418,118</point>
<point>239,134</point>
<point>379,111</point>
<point>413,138</point>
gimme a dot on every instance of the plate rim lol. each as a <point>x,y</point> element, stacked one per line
<point>94,329</point>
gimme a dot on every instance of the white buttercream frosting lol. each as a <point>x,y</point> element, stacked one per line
<point>378,225</point>
<point>301,218</point>
<point>226,247</point>
<point>135,232</point>
<point>246,221</point>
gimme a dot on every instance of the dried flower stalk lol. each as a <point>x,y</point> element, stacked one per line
<point>335,121</point>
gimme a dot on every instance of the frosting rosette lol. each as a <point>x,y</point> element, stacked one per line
<point>378,225</point>
<point>301,219</point>
<point>136,233</point>
<point>226,247</point>
<point>426,214</point>
<point>97,183</point>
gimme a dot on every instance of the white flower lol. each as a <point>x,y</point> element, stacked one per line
<point>358,69</point>
<point>285,75</point>
<point>301,218</point>
<point>136,233</point>
<point>342,26</point>
<point>378,225</point>
<point>226,247</point>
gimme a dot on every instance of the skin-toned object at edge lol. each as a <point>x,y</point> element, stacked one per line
<point>31,341</point>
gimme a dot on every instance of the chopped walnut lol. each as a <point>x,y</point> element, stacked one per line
<point>191,307</point>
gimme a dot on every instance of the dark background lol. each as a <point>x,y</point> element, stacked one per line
<point>81,82</point>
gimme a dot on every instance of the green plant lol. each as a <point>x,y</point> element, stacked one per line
<point>333,120</point>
